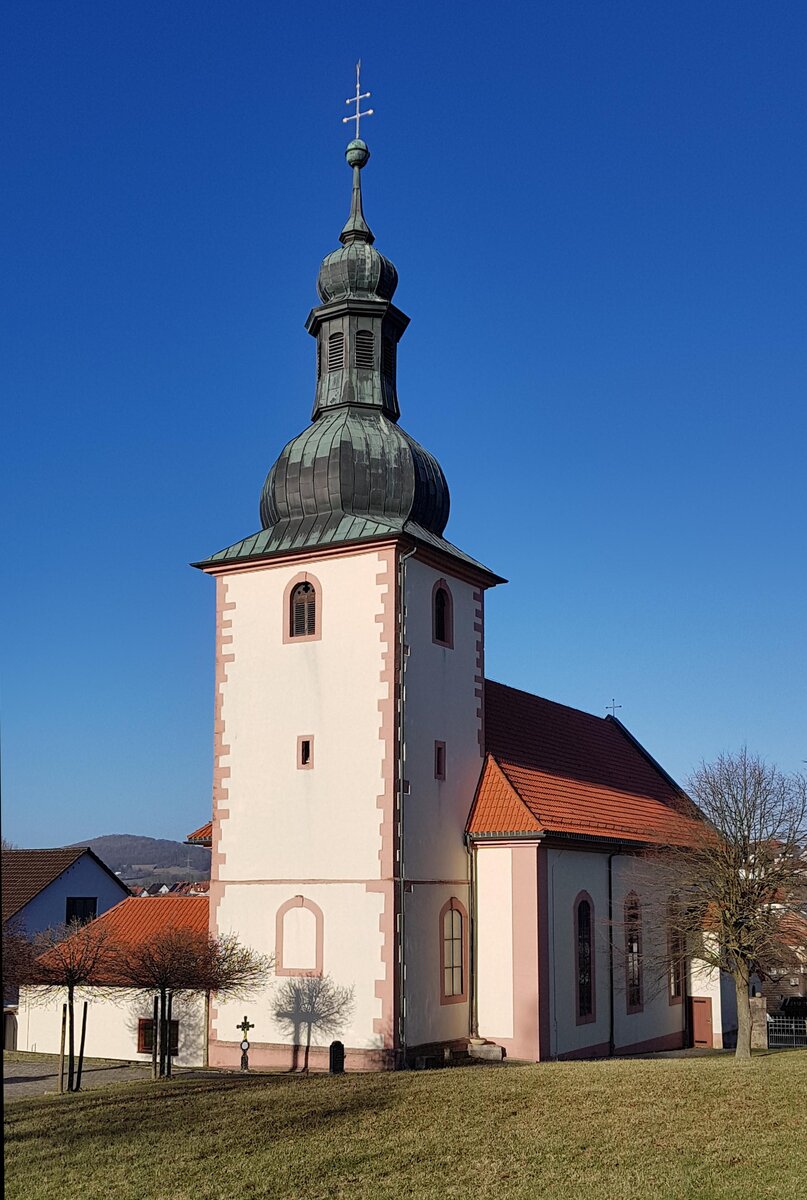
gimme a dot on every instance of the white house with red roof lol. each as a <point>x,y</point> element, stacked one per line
<point>120,1020</point>
<point>459,856</point>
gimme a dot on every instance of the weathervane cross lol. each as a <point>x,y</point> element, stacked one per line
<point>613,706</point>
<point>357,99</point>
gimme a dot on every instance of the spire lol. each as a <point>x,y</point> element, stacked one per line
<point>356,228</point>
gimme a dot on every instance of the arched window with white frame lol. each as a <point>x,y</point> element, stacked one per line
<point>453,952</point>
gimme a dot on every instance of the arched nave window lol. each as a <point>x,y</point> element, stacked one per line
<point>633,953</point>
<point>584,957</point>
<point>453,952</point>
<point>675,952</point>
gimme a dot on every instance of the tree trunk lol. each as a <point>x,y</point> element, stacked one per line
<point>155,1036</point>
<point>81,1047</point>
<point>743,1050</point>
<point>307,1048</point>
<point>61,1049</point>
<point>71,1039</point>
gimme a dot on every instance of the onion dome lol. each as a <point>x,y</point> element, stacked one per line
<point>357,462</point>
<point>356,269</point>
<point>354,461</point>
<point>353,475</point>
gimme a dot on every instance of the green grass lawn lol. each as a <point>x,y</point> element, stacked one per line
<point>623,1129</point>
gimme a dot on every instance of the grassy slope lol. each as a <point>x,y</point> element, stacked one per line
<point>665,1128</point>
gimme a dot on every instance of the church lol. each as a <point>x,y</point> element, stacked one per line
<point>456,860</point>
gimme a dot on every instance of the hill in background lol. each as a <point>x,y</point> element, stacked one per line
<point>146,860</point>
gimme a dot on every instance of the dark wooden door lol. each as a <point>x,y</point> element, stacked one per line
<point>701,1008</point>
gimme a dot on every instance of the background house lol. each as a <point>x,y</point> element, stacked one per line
<point>46,888</point>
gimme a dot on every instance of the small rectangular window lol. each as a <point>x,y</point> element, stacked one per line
<point>439,760</point>
<point>80,908</point>
<point>305,752</point>
<point>145,1036</point>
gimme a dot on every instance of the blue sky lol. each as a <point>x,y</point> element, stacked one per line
<point>597,212</point>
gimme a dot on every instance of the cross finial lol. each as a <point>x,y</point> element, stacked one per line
<point>613,706</point>
<point>357,99</point>
<point>245,1026</point>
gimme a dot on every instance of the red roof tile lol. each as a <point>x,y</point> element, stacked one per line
<point>202,836</point>
<point>135,920</point>
<point>140,917</point>
<point>557,769</point>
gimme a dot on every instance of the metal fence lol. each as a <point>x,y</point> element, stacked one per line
<point>786,1033</point>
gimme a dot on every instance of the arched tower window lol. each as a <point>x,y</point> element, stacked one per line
<point>302,609</point>
<point>453,952</point>
<point>633,953</point>
<point>584,957</point>
<point>442,615</point>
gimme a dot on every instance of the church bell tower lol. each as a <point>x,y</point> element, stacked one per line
<point>348,710</point>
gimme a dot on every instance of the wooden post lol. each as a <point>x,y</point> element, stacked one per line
<point>71,1039</point>
<point>168,1064</point>
<point>77,1088</point>
<point>61,1048</point>
<point>155,1037</point>
<point>162,1031</point>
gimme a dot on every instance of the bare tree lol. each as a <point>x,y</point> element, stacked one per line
<point>178,961</point>
<point>312,1002</point>
<point>731,891</point>
<point>69,957</point>
<point>18,954</point>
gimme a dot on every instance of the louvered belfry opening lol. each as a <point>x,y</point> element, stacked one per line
<point>336,351</point>
<point>388,357</point>
<point>365,349</point>
<point>303,611</point>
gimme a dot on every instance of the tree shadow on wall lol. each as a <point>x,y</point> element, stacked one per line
<point>310,1004</point>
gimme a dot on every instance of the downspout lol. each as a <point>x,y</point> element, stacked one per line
<point>473,1010</point>
<point>401,799</point>
<point>553,957</point>
<point>611,954</point>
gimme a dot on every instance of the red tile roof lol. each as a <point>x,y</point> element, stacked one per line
<point>556,769</point>
<point>202,836</point>
<point>135,920</point>
<point>25,873</point>
<point>140,917</point>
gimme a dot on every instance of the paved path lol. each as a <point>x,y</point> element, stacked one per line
<point>40,1075</point>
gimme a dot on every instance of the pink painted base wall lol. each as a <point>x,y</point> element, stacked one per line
<point>277,1057</point>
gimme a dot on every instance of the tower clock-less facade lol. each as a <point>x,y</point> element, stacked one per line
<point>349,710</point>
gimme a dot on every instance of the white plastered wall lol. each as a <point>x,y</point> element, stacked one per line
<point>659,1021</point>
<point>112,1022</point>
<point>439,705</point>
<point>718,986</point>
<point>494,940</point>
<point>317,832</point>
<point>659,1018</point>
<point>352,948</point>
